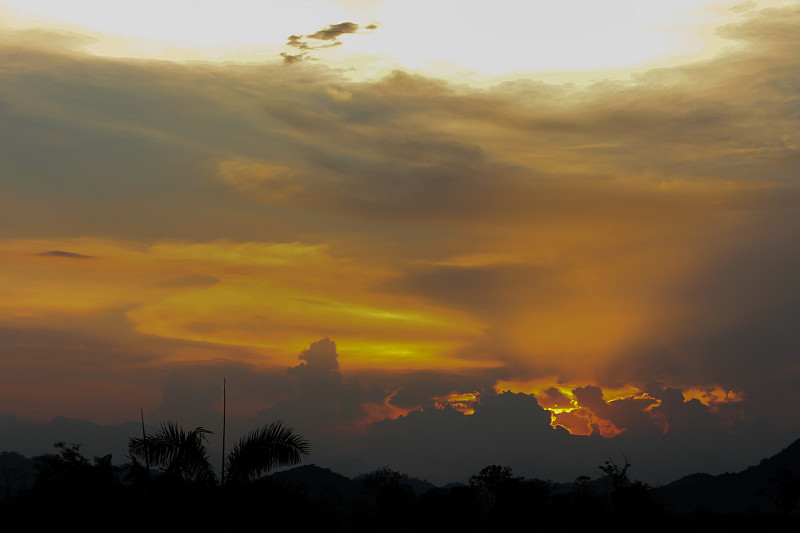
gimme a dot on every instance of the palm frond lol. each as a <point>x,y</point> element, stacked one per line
<point>177,452</point>
<point>263,449</point>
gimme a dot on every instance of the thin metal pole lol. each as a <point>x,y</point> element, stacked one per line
<point>144,440</point>
<point>224,384</point>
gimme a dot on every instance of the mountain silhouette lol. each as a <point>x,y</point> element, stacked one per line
<point>752,489</point>
<point>317,481</point>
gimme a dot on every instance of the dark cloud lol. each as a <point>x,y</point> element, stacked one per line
<point>327,37</point>
<point>320,358</point>
<point>682,416</point>
<point>478,289</point>
<point>554,398</point>
<point>297,42</point>
<point>59,253</point>
<point>509,429</point>
<point>419,388</point>
<point>333,31</point>
<point>288,59</point>
<point>512,429</point>
<point>627,414</point>
<point>323,405</point>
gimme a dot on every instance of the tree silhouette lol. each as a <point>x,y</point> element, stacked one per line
<point>263,449</point>
<point>628,497</point>
<point>181,454</point>
<point>618,474</point>
<point>786,490</point>
<point>69,489</point>
<point>387,503</point>
<point>492,481</point>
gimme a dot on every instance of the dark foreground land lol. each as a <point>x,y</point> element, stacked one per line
<point>67,490</point>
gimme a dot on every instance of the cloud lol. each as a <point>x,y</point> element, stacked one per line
<point>554,398</point>
<point>327,37</point>
<point>512,429</point>
<point>626,414</point>
<point>509,429</point>
<point>289,59</point>
<point>327,407</point>
<point>333,31</point>
<point>318,359</point>
<point>478,289</point>
<point>59,253</point>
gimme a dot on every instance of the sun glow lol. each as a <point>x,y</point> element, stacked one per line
<point>451,38</point>
<point>250,295</point>
<point>583,419</point>
<point>713,395</point>
<point>462,402</point>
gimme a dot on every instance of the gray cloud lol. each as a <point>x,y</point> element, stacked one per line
<point>478,289</point>
<point>289,59</point>
<point>627,414</point>
<point>327,37</point>
<point>59,253</point>
<point>333,31</point>
<point>511,429</point>
<point>323,405</point>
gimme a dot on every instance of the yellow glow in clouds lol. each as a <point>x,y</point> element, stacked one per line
<point>270,296</point>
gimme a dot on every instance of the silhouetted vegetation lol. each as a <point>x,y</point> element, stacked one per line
<point>72,490</point>
<point>786,490</point>
<point>182,455</point>
<point>627,498</point>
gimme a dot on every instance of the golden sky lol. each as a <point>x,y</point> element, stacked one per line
<point>582,203</point>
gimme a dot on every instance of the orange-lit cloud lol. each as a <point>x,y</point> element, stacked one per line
<point>586,410</point>
<point>259,295</point>
<point>462,402</point>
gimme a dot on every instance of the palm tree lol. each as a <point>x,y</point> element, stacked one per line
<point>184,455</point>
<point>263,449</point>
<point>179,453</point>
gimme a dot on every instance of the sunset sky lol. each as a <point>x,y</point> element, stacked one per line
<point>409,227</point>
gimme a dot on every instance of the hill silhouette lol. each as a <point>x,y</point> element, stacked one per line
<point>317,482</point>
<point>754,488</point>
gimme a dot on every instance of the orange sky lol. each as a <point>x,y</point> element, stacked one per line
<point>633,231</point>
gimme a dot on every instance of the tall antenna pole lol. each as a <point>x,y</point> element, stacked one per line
<point>224,384</point>
<point>144,439</point>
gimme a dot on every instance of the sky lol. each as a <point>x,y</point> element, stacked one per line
<point>432,235</point>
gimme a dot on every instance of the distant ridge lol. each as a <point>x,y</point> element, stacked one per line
<point>749,489</point>
<point>318,481</point>
<point>36,438</point>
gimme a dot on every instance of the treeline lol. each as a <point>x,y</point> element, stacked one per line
<point>70,490</point>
